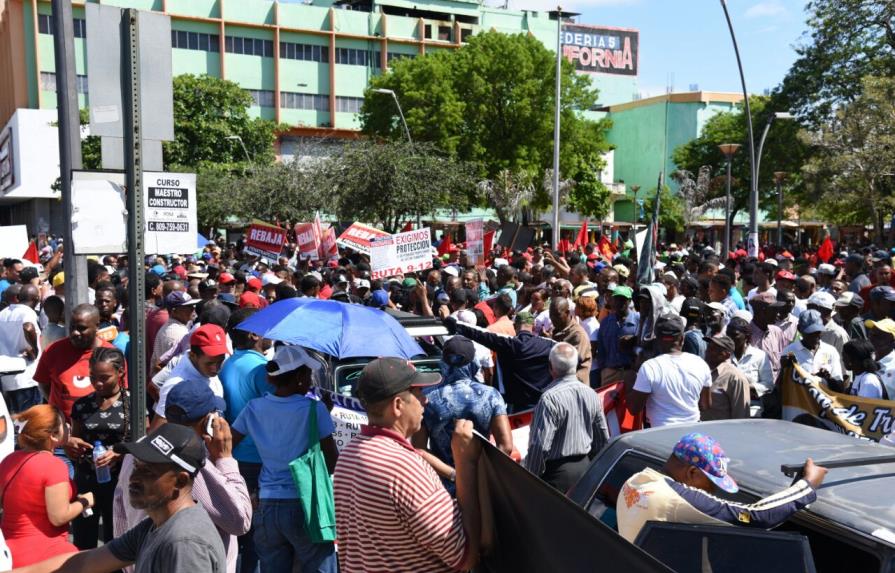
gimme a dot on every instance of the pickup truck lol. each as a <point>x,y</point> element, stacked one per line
<point>851,526</point>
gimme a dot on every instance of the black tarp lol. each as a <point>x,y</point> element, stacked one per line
<point>539,530</point>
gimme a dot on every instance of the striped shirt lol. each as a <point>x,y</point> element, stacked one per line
<point>392,512</point>
<point>568,421</point>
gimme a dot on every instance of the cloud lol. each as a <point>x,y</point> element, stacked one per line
<point>765,10</point>
<point>545,5</point>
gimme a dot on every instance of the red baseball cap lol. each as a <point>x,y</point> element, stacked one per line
<point>180,271</point>
<point>211,339</point>
<point>226,279</point>
<point>785,275</point>
<point>250,300</point>
<point>254,283</point>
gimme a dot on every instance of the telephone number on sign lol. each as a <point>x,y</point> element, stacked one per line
<point>166,226</point>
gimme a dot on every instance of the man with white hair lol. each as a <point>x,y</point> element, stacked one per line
<point>568,428</point>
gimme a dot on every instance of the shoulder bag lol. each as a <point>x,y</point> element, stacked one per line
<point>315,488</point>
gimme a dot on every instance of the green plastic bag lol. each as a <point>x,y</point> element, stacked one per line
<point>315,488</point>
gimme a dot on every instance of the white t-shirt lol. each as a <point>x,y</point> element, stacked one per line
<point>824,358</point>
<point>185,371</point>
<point>867,385</point>
<point>13,344</point>
<point>754,291</point>
<point>7,444</point>
<point>674,383</point>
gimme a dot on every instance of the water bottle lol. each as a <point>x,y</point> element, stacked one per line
<point>104,474</point>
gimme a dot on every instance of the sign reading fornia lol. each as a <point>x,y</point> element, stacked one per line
<point>601,50</point>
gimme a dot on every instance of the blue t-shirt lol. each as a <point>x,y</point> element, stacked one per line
<point>734,294</point>
<point>279,427</point>
<point>4,284</point>
<point>244,378</point>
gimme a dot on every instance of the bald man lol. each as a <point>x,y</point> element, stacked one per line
<point>19,334</point>
<point>567,329</point>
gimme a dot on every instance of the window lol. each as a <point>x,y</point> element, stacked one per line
<point>428,31</point>
<point>356,57</point>
<point>48,82</point>
<point>346,104</point>
<point>465,33</point>
<point>249,46</point>
<point>313,102</point>
<point>195,41</point>
<point>262,98</point>
<point>45,25</point>
<point>444,33</point>
<point>397,55</point>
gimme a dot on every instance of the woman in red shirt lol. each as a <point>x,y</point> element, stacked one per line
<point>37,496</point>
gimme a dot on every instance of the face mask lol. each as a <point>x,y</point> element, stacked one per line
<point>611,287</point>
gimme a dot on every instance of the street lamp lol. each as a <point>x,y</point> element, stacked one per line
<point>778,178</point>
<point>242,143</point>
<point>400,111</point>
<point>764,136</point>
<point>729,150</point>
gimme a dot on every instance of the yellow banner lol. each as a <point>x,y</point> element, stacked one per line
<point>807,400</point>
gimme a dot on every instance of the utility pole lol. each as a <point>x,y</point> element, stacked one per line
<point>556,107</point>
<point>69,147</point>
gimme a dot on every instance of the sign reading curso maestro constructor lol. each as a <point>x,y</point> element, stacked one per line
<point>601,50</point>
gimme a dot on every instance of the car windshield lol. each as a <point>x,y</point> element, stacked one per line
<point>347,375</point>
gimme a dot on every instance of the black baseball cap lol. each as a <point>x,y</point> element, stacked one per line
<point>723,342</point>
<point>384,377</point>
<point>169,444</point>
<point>669,326</point>
<point>458,351</point>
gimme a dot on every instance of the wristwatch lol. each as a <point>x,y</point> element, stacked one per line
<point>453,476</point>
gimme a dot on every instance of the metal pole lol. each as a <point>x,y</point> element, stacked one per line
<point>753,190</point>
<point>556,127</point>
<point>133,161</point>
<point>727,216</point>
<point>764,137</point>
<point>403,121</point>
<point>69,147</point>
<point>779,212</point>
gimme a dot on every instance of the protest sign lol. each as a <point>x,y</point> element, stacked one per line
<point>807,401</point>
<point>170,205</point>
<point>358,237</point>
<point>475,244</point>
<point>308,241</point>
<point>13,241</point>
<point>328,248</point>
<point>401,253</point>
<point>265,240</point>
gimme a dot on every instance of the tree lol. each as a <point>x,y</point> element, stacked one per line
<point>852,171</point>
<point>671,210</point>
<point>847,40</point>
<point>785,150</point>
<point>389,183</point>
<point>491,102</point>
<point>694,193</point>
<point>208,110</point>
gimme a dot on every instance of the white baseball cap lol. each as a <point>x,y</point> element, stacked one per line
<point>822,299</point>
<point>289,358</point>
<point>270,279</point>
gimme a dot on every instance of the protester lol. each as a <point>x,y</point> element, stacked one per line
<point>615,349</point>
<point>673,386</point>
<point>177,535</point>
<point>683,492</point>
<point>278,425</point>
<point>38,498</point>
<point>858,358</point>
<point>566,329</point>
<point>848,310</point>
<point>568,427</point>
<point>181,309</point>
<point>102,416</point>
<point>392,512</point>
<point>766,335</point>
<point>19,343</point>
<point>814,355</point>
<point>753,362</point>
<point>730,388</point>
<point>881,334</point>
<point>459,397</point>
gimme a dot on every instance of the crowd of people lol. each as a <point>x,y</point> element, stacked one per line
<point>210,488</point>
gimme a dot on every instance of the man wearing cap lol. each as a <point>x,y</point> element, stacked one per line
<point>694,312</point>
<point>814,355</point>
<point>848,315</point>
<point>278,424</point>
<point>833,334</point>
<point>568,427</point>
<point>208,348</point>
<point>615,338</point>
<point>181,309</point>
<point>882,303</point>
<point>683,492</point>
<point>826,274</point>
<point>674,385</point>
<point>460,396</point>
<point>177,534</point>
<point>881,334</point>
<point>392,512</point>
<point>730,387</point>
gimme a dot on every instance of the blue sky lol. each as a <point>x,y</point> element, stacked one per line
<point>689,38</point>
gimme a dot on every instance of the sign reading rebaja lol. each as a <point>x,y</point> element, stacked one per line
<point>171,224</point>
<point>401,253</point>
<point>265,240</point>
<point>602,50</point>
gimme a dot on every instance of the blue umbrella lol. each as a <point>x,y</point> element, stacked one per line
<point>201,240</point>
<point>339,329</point>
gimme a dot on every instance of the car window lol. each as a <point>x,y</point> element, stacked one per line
<point>602,504</point>
<point>347,375</point>
<point>833,551</point>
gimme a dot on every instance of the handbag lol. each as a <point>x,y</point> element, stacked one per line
<point>315,488</point>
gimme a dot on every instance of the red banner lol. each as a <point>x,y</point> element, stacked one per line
<point>328,247</point>
<point>307,240</point>
<point>358,237</point>
<point>265,240</point>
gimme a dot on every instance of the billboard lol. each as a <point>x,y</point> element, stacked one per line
<point>600,49</point>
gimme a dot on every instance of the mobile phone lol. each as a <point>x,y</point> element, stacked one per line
<point>209,424</point>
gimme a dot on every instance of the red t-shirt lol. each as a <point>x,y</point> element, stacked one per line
<point>29,534</point>
<point>66,370</point>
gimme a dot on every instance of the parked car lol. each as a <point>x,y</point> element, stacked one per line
<point>851,526</point>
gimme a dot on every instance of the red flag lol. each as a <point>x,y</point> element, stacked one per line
<point>31,253</point>
<point>581,239</point>
<point>444,247</point>
<point>487,242</point>
<point>605,248</point>
<point>825,252</point>
<point>408,226</point>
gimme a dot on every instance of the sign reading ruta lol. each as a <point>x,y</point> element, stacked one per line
<point>401,253</point>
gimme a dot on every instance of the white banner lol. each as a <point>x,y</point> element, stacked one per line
<point>401,253</point>
<point>171,223</point>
